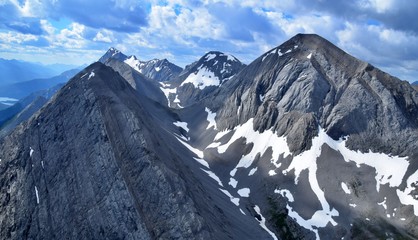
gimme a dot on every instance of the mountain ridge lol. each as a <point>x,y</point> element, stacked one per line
<point>304,142</point>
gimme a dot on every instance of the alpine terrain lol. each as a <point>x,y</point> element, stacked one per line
<point>305,142</point>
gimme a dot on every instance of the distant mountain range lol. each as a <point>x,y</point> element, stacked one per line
<point>305,142</point>
<point>23,89</point>
<point>15,71</point>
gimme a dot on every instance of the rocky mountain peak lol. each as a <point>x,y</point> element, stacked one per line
<point>308,82</point>
<point>212,69</point>
<point>113,53</point>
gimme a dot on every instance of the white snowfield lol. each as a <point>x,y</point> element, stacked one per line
<point>167,91</point>
<point>135,63</point>
<point>345,188</point>
<point>211,119</point>
<point>202,78</point>
<point>182,125</point>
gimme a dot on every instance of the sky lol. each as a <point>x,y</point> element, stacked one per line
<point>382,32</point>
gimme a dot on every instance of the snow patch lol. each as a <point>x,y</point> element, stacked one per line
<point>231,58</point>
<point>383,204</point>
<point>242,211</point>
<point>307,161</point>
<point>91,75</point>
<point>214,145</point>
<point>389,169</point>
<point>202,78</point>
<point>261,97</point>
<point>134,63</point>
<point>406,196</point>
<point>263,222</point>
<point>196,151</point>
<point>211,119</point>
<point>261,142</point>
<point>345,188</point>
<point>157,69</point>
<point>176,99</point>
<point>168,91</point>
<point>202,161</point>
<point>309,56</point>
<point>244,192</point>
<point>219,135</point>
<point>233,182</point>
<point>30,151</point>
<point>210,57</point>
<point>272,173</point>
<point>252,171</point>
<point>267,54</point>
<point>353,205</point>
<point>213,176</point>
<point>182,125</point>
<point>233,199</point>
<point>37,195</point>
<point>285,193</point>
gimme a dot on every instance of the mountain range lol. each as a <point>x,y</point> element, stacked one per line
<point>15,71</point>
<point>305,142</point>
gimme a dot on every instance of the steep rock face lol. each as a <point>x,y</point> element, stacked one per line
<point>101,162</point>
<point>200,78</point>
<point>309,78</point>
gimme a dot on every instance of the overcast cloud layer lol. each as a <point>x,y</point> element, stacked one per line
<point>382,32</point>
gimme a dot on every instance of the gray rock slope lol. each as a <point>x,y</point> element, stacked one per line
<point>308,82</point>
<point>101,161</point>
<point>308,130</point>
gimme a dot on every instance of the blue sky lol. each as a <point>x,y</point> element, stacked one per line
<point>382,32</point>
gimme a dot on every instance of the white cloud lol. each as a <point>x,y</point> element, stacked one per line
<point>15,37</point>
<point>47,27</point>
<point>380,6</point>
<point>71,37</point>
<point>104,36</point>
<point>391,50</point>
<point>164,21</point>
